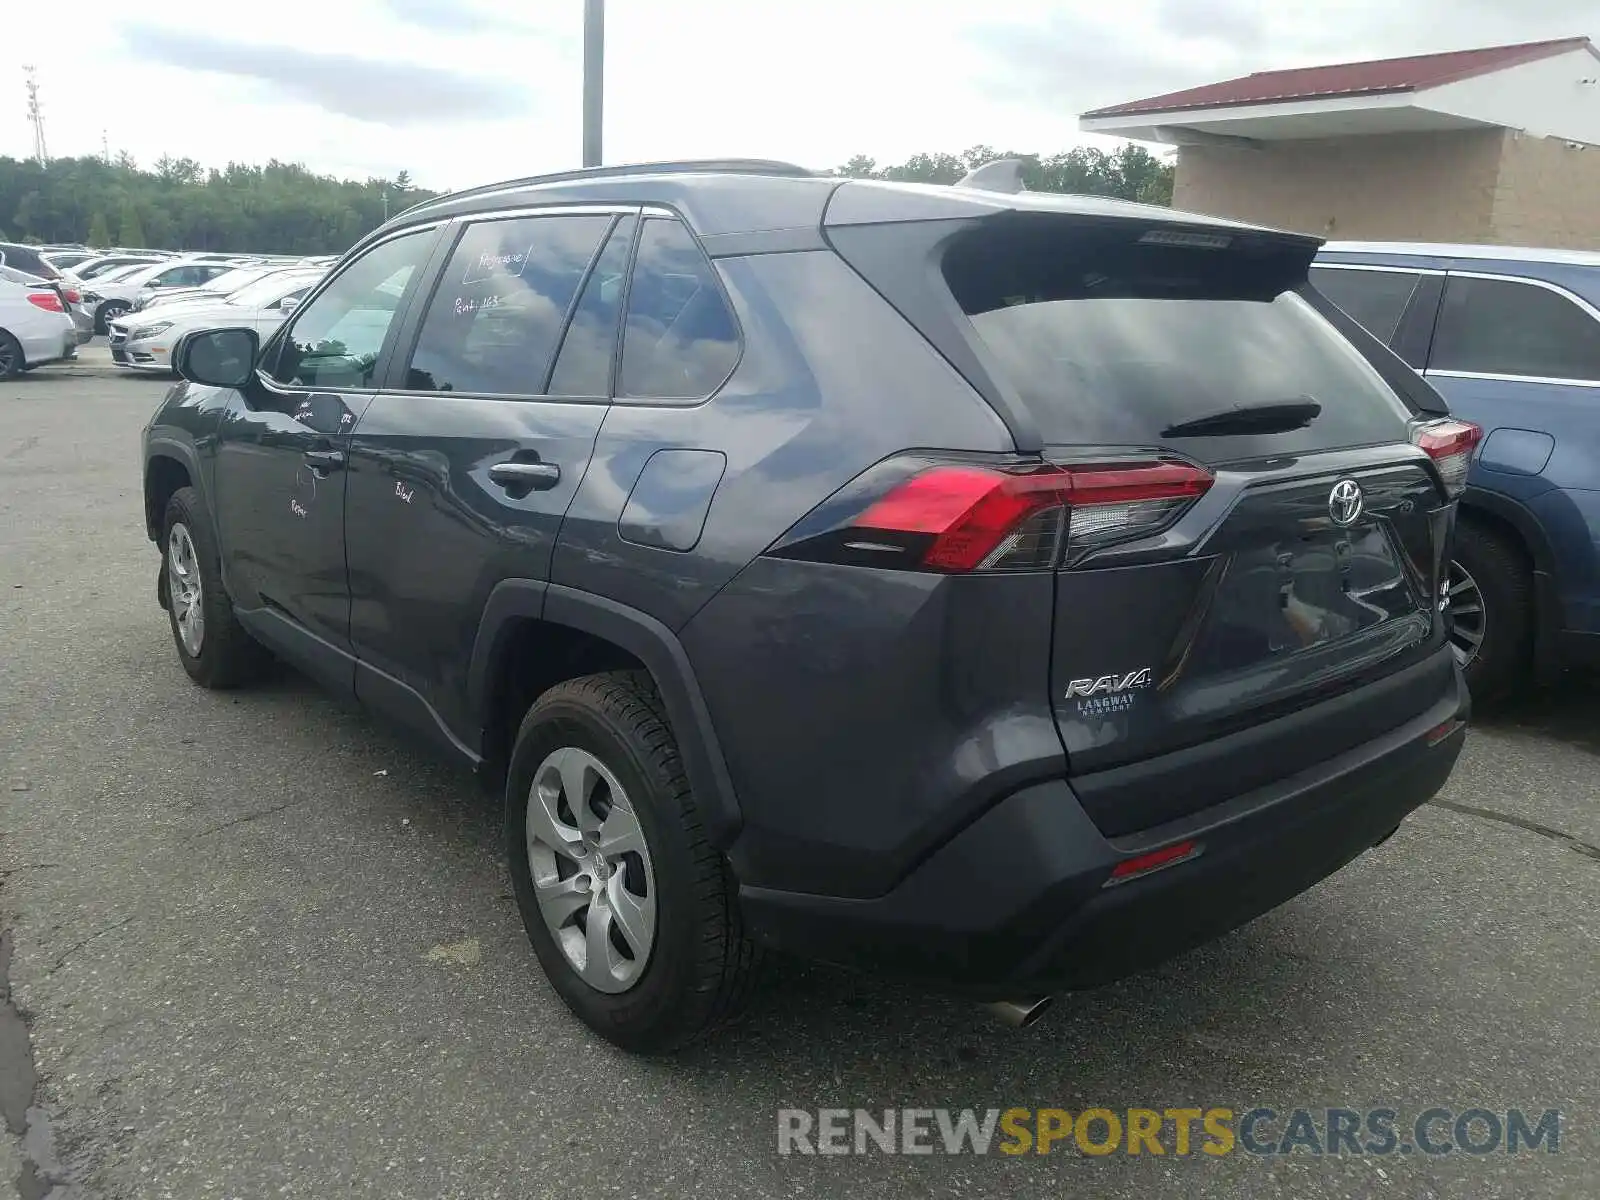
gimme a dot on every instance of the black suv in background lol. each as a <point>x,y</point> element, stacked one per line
<point>1004,590</point>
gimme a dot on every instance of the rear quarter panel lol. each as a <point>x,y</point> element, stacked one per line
<point>830,381</point>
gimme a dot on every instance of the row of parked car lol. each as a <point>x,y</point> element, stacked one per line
<point>96,287</point>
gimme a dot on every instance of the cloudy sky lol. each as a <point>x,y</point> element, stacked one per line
<point>463,91</point>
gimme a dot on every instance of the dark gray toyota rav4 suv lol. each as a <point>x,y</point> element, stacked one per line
<point>1003,590</point>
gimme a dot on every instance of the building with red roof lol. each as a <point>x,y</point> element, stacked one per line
<point>1499,145</point>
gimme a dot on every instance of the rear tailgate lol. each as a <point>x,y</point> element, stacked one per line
<point>1201,646</point>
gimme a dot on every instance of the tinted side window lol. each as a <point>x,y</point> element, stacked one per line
<point>1376,299</point>
<point>680,341</point>
<point>335,341</point>
<point>583,367</point>
<point>1504,327</point>
<point>495,317</point>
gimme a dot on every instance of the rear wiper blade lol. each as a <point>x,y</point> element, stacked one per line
<point>1280,417</point>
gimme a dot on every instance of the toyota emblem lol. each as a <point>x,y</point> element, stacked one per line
<point>1344,502</point>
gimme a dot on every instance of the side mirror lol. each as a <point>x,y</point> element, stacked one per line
<point>218,357</point>
<point>288,304</point>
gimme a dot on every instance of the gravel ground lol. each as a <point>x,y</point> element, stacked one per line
<point>264,947</point>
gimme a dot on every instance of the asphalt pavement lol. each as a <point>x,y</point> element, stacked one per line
<point>259,945</point>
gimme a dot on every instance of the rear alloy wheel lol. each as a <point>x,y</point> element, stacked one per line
<point>1464,603</point>
<point>633,913</point>
<point>11,361</point>
<point>1489,599</point>
<point>591,869</point>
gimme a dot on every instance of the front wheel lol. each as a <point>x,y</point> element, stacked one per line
<point>632,913</point>
<point>212,645</point>
<point>1490,602</point>
<point>107,313</point>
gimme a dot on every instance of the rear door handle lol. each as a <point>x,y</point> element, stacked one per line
<point>325,460</point>
<point>536,476</point>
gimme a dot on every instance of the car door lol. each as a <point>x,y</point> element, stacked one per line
<point>1522,356</point>
<point>462,469</point>
<point>279,483</point>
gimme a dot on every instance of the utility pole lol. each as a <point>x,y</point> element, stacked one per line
<point>36,116</point>
<point>594,81</point>
<point>105,147</point>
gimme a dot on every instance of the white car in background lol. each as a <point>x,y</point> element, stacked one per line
<point>103,265</point>
<point>117,297</point>
<point>143,341</point>
<point>35,327</point>
<point>217,288</point>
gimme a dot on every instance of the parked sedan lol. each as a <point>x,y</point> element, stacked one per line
<point>34,327</point>
<point>144,341</point>
<point>71,299</point>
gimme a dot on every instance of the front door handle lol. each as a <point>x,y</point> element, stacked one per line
<point>325,460</point>
<point>535,476</point>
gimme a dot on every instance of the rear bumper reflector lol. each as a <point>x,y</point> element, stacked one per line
<point>1156,860</point>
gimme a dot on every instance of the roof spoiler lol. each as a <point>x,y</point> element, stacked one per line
<point>1000,175</point>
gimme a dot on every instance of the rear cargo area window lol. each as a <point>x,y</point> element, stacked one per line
<point>1109,339</point>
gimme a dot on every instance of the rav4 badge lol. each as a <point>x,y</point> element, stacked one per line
<point>1109,685</point>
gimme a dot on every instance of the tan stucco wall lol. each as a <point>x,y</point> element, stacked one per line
<point>1469,186</point>
<point>1548,194</point>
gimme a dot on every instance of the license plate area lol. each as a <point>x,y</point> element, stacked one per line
<point>1304,590</point>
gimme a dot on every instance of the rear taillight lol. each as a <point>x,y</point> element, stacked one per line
<point>71,296</point>
<point>1450,444</point>
<point>48,301</point>
<point>964,517</point>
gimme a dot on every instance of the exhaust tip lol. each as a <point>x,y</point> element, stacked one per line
<point>1019,1014</point>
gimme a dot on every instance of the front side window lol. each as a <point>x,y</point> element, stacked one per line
<point>336,340</point>
<point>1375,300</point>
<point>495,318</point>
<point>680,340</point>
<point>1506,327</point>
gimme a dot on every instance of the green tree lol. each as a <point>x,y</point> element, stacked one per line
<point>99,232</point>
<point>129,231</point>
<point>1131,172</point>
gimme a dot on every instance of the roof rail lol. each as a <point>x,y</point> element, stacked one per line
<point>697,166</point>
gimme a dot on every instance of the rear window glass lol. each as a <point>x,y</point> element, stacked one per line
<point>1109,341</point>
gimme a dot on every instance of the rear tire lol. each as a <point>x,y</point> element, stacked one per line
<point>699,966</point>
<point>214,649</point>
<point>11,360</point>
<point>1496,567</point>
